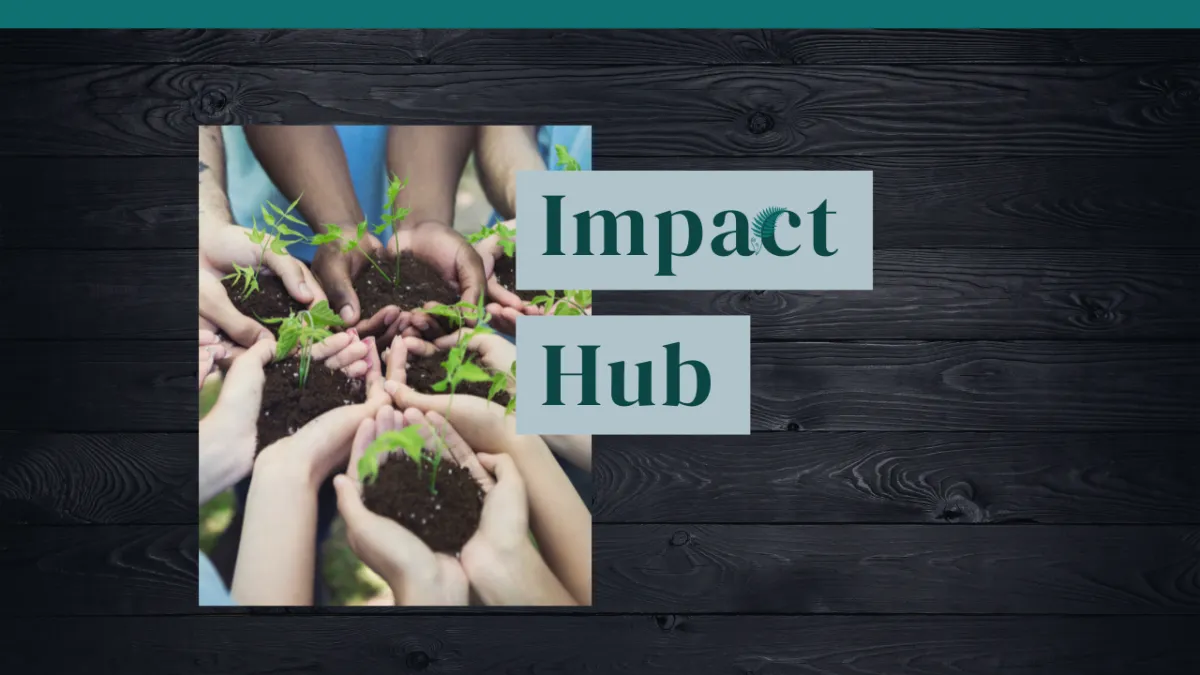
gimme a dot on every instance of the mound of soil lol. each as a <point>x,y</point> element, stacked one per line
<point>444,520</point>
<point>270,301</point>
<point>424,371</point>
<point>505,271</point>
<point>419,283</point>
<point>286,406</point>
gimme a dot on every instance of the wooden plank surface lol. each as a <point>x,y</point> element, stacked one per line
<point>793,569</point>
<point>596,47</point>
<point>900,477</point>
<point>1110,203</point>
<point>656,645</point>
<point>820,477</point>
<point>962,110</point>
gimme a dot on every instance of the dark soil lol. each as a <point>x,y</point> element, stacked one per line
<point>270,301</point>
<point>286,407</point>
<point>424,371</point>
<point>445,520</point>
<point>419,283</point>
<point>505,271</point>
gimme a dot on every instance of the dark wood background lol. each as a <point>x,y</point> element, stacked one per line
<point>989,464</point>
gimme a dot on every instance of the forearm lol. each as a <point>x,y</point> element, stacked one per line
<point>214,201</point>
<point>432,160</point>
<point>502,151</point>
<point>558,517</point>
<point>276,556</point>
<point>576,449</point>
<point>309,161</point>
<point>517,578</point>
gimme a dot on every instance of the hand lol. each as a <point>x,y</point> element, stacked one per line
<point>505,305</point>
<point>224,244</point>
<point>481,423</point>
<point>416,574</point>
<point>211,351</point>
<point>228,432</point>
<point>495,352</point>
<point>218,311</point>
<point>323,444</point>
<point>448,252</point>
<point>337,271</point>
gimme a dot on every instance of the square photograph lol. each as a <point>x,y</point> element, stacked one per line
<point>358,314</point>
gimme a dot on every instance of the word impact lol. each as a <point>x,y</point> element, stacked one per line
<point>747,238</point>
<point>645,386</point>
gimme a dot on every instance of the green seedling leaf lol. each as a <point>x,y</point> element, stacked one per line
<point>289,335</point>
<point>270,219</point>
<point>499,382</point>
<point>408,440</point>
<point>470,372</point>
<point>329,236</point>
<point>440,386</point>
<point>278,246</point>
<point>567,310</point>
<point>565,161</point>
<point>323,315</point>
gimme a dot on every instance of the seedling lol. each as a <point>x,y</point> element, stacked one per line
<point>507,237</point>
<point>565,161</point>
<point>304,328</point>
<point>393,215</point>
<point>274,235</point>
<point>408,439</point>
<point>571,303</point>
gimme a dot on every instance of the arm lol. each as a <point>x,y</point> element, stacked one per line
<point>502,151</point>
<point>432,160</point>
<point>214,204</point>
<point>309,160</point>
<point>576,449</point>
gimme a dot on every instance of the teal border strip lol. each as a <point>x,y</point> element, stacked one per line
<point>604,14</point>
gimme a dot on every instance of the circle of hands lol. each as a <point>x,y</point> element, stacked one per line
<point>337,439</point>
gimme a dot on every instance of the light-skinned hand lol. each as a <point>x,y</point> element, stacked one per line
<point>222,245</point>
<point>448,252</point>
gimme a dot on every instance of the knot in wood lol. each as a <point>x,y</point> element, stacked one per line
<point>760,123</point>
<point>417,660</point>
<point>793,426</point>
<point>213,102</point>
<point>422,59</point>
<point>666,622</point>
<point>680,538</point>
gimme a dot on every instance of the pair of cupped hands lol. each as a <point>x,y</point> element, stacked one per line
<point>479,440</point>
<point>468,269</point>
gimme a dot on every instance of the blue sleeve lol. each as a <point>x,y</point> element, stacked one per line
<point>212,588</point>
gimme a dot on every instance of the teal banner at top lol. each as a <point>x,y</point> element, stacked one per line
<point>603,14</point>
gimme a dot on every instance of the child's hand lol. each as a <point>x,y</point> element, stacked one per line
<point>416,575</point>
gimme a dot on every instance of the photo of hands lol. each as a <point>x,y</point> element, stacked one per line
<point>358,313</point>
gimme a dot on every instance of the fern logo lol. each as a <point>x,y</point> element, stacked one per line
<point>763,227</point>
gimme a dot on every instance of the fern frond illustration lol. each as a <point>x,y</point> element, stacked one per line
<point>764,226</point>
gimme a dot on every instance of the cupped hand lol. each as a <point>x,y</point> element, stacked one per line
<point>416,574</point>
<point>323,444</point>
<point>448,252</point>
<point>484,425</point>
<point>504,305</point>
<point>217,309</point>
<point>211,351</point>
<point>496,353</point>
<point>228,433</point>
<point>336,271</point>
<point>223,245</point>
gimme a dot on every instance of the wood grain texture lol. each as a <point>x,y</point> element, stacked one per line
<point>964,110</point>
<point>794,569</point>
<point>965,294</point>
<point>920,202</point>
<point>598,47</point>
<point>900,477</point>
<point>110,478</point>
<point>147,385</point>
<point>919,294</point>
<point>654,645</point>
<point>924,386</point>
<point>898,568</point>
<point>90,295</point>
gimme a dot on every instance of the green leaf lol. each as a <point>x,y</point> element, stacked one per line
<point>362,230</point>
<point>472,373</point>
<point>511,407</point>
<point>278,247</point>
<point>566,310</point>
<point>565,161</point>
<point>289,335</point>
<point>498,383</point>
<point>440,386</point>
<point>378,229</point>
<point>764,223</point>
<point>270,219</point>
<point>323,315</point>
<point>328,237</point>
